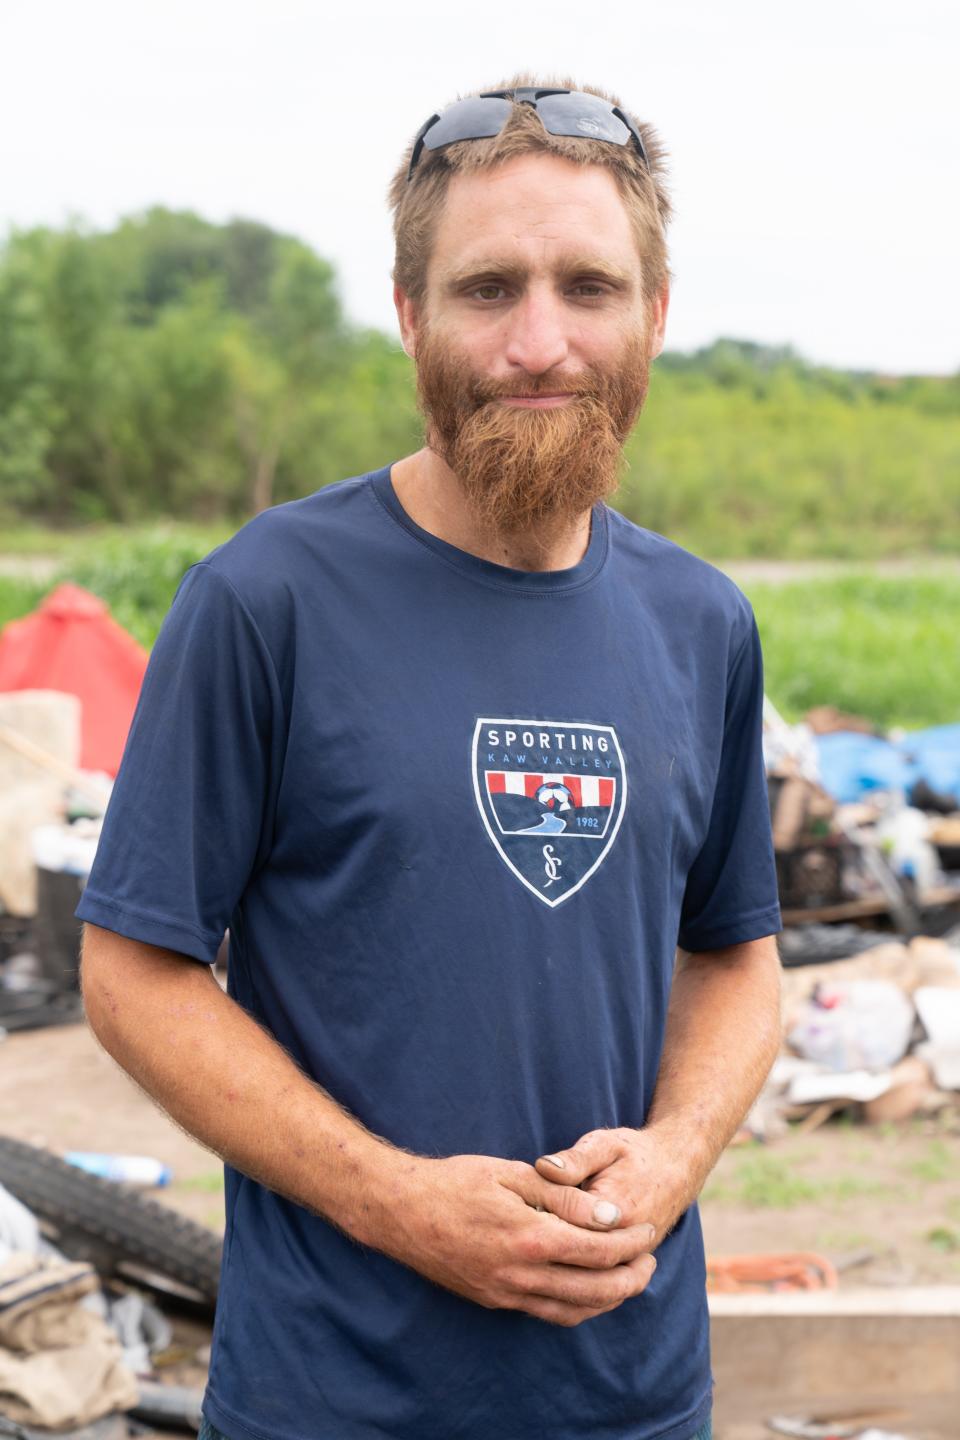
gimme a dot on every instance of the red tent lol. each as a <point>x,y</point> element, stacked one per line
<point>71,643</point>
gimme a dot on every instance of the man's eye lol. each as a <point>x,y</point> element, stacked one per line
<point>584,285</point>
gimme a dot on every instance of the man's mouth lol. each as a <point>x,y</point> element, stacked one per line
<point>536,400</point>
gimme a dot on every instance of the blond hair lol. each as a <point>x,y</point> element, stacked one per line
<point>416,205</point>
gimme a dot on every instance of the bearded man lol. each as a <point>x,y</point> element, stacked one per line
<point>471,768</point>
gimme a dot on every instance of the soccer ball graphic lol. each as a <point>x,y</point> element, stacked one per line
<point>555,796</point>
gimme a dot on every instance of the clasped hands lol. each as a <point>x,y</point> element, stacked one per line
<point>630,1172</point>
<point>566,1239</point>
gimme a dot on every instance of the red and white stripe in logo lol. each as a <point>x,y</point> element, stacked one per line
<point>587,790</point>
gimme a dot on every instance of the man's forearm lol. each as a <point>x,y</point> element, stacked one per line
<point>470,1223</point>
<point>228,1083</point>
<point>722,1036</point>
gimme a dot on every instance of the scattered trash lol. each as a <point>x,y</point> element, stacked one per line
<point>911,1089</point>
<point>939,1010</point>
<point>818,943</point>
<point>140,1170</point>
<point>815,1086</point>
<point>60,1364</point>
<point>878,1030</point>
<point>863,824</point>
<point>19,1231</point>
<point>74,1357</point>
<point>71,644</point>
<point>902,832</point>
<point>143,1330</point>
<point>801,1429</point>
<point>121,1231</point>
<point>169,1405</point>
<point>848,1025</point>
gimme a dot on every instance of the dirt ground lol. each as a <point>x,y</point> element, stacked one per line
<point>846,1190</point>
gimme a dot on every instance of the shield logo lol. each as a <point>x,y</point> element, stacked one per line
<point>551,795</point>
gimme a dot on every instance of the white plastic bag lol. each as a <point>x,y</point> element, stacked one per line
<point>854,1024</point>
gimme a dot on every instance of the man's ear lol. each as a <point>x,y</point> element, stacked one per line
<point>658,320</point>
<point>407,319</point>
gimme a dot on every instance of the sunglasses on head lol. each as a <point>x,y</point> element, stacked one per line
<point>562,112</point>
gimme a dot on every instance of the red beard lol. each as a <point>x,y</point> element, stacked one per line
<point>529,468</point>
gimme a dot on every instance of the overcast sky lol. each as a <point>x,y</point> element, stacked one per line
<point>814,149</point>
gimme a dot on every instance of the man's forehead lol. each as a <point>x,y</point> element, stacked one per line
<point>534,214</point>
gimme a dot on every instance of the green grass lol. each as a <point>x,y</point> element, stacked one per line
<point>209,1183</point>
<point>18,597</point>
<point>943,1239</point>
<point>135,572</point>
<point>885,648</point>
<point>767,1180</point>
<point>939,1163</point>
<point>847,1240</point>
<point>79,542</point>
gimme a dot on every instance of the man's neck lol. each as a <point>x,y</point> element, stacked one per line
<point>429,492</point>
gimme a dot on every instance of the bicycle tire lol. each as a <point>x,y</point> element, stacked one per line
<point>112,1226</point>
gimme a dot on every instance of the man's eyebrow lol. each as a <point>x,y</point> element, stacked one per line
<point>488,267</point>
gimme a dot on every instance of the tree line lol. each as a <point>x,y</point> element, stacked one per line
<point>176,367</point>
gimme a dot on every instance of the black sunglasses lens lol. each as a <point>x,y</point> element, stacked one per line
<point>470,119</point>
<point>584,115</point>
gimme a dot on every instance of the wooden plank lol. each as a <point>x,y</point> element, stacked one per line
<point>878,905</point>
<point>829,1351</point>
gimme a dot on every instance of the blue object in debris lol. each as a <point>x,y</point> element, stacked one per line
<point>125,1169</point>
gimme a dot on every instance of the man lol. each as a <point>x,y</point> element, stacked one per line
<point>459,755</point>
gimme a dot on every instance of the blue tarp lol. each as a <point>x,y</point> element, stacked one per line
<point>851,765</point>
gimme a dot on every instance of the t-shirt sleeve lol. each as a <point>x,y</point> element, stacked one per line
<point>731,889</point>
<point>192,809</point>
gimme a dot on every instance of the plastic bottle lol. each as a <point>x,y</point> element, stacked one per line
<point>124,1169</point>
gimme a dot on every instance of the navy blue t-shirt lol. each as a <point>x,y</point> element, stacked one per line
<point>457,818</point>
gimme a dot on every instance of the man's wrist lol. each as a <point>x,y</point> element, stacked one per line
<point>373,1188</point>
<point>688,1157</point>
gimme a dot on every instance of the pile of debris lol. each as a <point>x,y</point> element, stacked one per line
<point>864,825</point>
<point>877,1032</point>
<point>69,681</point>
<point>84,1349</point>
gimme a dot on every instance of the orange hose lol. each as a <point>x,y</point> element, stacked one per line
<point>791,1270</point>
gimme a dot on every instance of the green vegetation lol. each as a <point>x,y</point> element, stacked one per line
<point>135,572</point>
<point>17,597</point>
<point>944,1239</point>
<point>939,1163</point>
<point>173,367</point>
<point>765,1179</point>
<point>883,648</point>
<point>209,1183</point>
<point>845,1240</point>
<point>161,382</point>
<point>747,451</point>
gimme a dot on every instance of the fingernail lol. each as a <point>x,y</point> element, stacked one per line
<point>651,1232</point>
<point>605,1212</point>
<point>555,1160</point>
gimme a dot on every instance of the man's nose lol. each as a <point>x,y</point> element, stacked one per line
<point>537,334</point>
